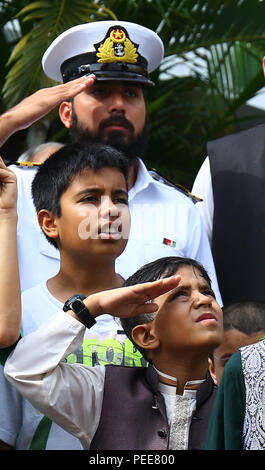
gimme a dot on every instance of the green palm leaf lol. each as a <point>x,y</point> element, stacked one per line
<point>48,20</point>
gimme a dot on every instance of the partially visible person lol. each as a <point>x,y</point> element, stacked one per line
<point>244,323</point>
<point>10,298</point>
<point>39,153</point>
<point>164,406</point>
<point>237,420</point>
<point>10,301</point>
<point>230,183</point>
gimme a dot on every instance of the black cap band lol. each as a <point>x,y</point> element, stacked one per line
<point>85,64</point>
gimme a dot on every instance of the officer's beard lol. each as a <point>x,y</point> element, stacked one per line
<point>132,147</point>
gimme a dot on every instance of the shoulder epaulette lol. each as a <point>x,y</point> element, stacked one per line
<point>24,164</point>
<point>156,176</point>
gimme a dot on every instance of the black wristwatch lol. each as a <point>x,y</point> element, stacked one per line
<point>76,304</point>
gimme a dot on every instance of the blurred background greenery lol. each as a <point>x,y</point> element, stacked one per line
<point>212,67</point>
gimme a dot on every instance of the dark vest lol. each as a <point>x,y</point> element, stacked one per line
<point>133,413</point>
<point>238,240</point>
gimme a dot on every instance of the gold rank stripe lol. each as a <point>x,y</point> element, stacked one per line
<point>155,175</point>
<point>27,164</point>
<point>22,164</point>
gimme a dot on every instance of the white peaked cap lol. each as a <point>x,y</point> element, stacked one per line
<point>73,45</point>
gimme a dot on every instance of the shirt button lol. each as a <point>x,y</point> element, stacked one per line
<point>162,433</point>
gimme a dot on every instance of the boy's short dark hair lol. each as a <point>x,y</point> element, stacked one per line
<point>55,175</point>
<point>161,268</point>
<point>246,317</point>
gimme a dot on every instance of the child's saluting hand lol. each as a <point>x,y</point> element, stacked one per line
<point>8,190</point>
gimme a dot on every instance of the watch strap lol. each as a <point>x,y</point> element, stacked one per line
<point>76,304</point>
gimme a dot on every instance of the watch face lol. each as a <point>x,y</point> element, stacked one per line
<point>75,301</point>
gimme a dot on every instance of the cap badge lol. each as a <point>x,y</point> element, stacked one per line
<point>117,47</point>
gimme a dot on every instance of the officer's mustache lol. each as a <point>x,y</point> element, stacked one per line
<point>116,119</point>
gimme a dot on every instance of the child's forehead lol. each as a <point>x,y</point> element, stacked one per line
<point>190,273</point>
<point>190,277</point>
<point>105,174</point>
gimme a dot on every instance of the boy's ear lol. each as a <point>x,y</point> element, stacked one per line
<point>65,113</point>
<point>47,222</point>
<point>212,370</point>
<point>145,337</point>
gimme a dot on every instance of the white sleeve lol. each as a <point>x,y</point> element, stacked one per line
<point>69,394</point>
<point>202,188</point>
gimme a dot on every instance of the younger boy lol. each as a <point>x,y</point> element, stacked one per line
<point>166,405</point>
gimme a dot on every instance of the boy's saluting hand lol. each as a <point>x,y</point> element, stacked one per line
<point>129,301</point>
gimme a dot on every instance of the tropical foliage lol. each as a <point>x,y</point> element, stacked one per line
<point>212,66</point>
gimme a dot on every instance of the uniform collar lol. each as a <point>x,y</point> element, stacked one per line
<point>143,179</point>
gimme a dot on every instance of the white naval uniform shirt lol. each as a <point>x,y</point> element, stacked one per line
<point>161,212</point>
<point>63,391</point>
<point>202,187</point>
<point>158,212</point>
